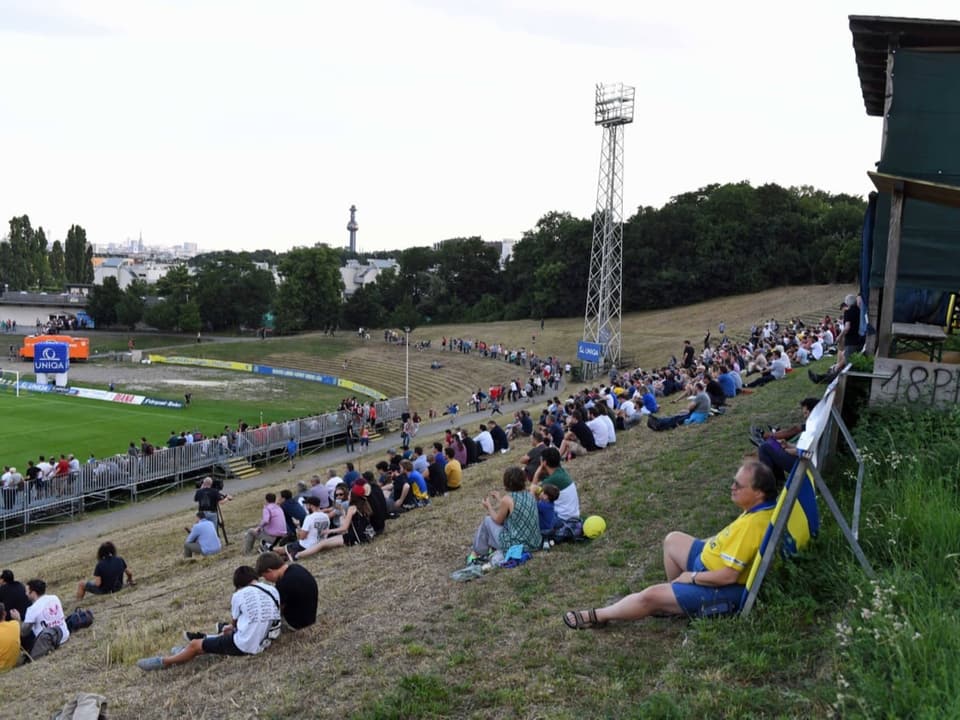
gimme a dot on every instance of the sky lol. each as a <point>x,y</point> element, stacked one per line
<point>246,124</point>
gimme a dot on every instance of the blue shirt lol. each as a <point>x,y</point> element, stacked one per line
<point>291,447</point>
<point>729,385</point>
<point>205,533</point>
<point>546,515</point>
<point>413,477</point>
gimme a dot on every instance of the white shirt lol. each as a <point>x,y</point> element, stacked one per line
<point>816,350</point>
<point>485,441</point>
<point>45,612</point>
<point>332,486</point>
<point>599,431</point>
<point>256,610</point>
<point>314,523</point>
<point>610,428</point>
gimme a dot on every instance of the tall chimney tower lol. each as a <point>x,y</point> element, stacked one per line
<point>353,227</point>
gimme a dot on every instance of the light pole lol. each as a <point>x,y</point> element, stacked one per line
<point>406,391</point>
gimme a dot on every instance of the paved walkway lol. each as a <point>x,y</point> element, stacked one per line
<point>88,528</point>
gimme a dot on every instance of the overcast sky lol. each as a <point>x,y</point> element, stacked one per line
<point>242,124</point>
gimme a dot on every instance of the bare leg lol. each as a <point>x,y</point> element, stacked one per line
<point>676,549</point>
<point>81,589</point>
<point>191,651</point>
<point>333,541</point>
<point>656,599</point>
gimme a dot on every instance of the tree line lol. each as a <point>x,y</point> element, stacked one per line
<point>26,263</point>
<point>716,241</point>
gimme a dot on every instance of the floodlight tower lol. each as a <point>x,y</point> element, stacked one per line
<point>601,324</point>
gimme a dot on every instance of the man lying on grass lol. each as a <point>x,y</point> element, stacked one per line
<point>705,577</point>
<point>255,609</point>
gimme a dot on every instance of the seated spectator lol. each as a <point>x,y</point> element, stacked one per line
<point>545,511</point>
<point>776,452</point>
<point>13,594</point>
<point>44,626</point>
<point>418,484</point>
<point>294,514</point>
<point>296,586</point>
<point>567,504</point>
<point>108,574</point>
<point>702,575</point>
<point>511,519</point>
<point>271,528</point>
<point>378,503</point>
<point>453,472</point>
<point>352,529</point>
<point>9,638</point>
<point>484,441</point>
<point>579,439</point>
<point>255,612</point>
<point>202,538</point>
<point>531,461</point>
<point>314,526</point>
<point>602,427</point>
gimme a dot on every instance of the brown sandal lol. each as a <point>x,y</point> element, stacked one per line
<point>579,623</point>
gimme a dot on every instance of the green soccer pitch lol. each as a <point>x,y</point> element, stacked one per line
<point>49,424</point>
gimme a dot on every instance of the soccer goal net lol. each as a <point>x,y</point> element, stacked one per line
<point>10,381</point>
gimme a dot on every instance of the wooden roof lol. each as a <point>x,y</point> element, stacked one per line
<point>874,36</point>
<point>939,193</point>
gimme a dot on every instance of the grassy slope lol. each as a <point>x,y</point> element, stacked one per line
<point>396,638</point>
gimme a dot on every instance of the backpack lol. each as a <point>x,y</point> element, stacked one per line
<point>79,619</point>
<point>568,530</point>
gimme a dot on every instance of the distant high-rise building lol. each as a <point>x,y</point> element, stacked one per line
<point>352,227</point>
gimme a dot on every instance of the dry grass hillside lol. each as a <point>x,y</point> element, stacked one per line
<point>649,338</point>
<point>396,638</point>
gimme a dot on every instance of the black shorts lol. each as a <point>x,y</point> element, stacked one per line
<point>221,645</point>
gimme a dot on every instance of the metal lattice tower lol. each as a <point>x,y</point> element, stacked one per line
<point>601,323</point>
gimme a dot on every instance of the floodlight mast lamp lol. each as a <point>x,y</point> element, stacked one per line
<point>601,324</point>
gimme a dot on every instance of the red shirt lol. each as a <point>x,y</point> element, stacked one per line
<point>63,467</point>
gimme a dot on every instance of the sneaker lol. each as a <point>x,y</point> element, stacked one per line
<point>474,559</point>
<point>221,626</point>
<point>177,649</point>
<point>188,636</point>
<point>264,546</point>
<point>151,663</point>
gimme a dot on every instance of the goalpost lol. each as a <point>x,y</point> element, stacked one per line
<point>10,378</point>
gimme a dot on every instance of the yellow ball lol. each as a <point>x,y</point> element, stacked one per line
<point>594,526</point>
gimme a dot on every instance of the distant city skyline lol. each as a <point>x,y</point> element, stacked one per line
<point>246,125</point>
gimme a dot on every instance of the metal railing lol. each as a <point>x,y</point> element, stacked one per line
<point>125,477</point>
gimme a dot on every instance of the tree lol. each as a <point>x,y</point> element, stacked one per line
<point>16,268</point>
<point>231,291</point>
<point>57,270</point>
<point>78,256</point>
<point>40,265</point>
<point>309,296</point>
<point>131,304</point>
<point>103,301</point>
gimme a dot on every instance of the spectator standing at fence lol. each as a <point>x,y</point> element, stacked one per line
<point>108,574</point>
<point>291,453</point>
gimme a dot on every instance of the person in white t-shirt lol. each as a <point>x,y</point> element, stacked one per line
<point>255,613</point>
<point>311,529</point>
<point>44,626</point>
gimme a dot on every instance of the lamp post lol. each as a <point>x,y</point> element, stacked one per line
<point>406,391</point>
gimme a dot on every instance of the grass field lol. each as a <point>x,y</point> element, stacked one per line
<point>53,424</point>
